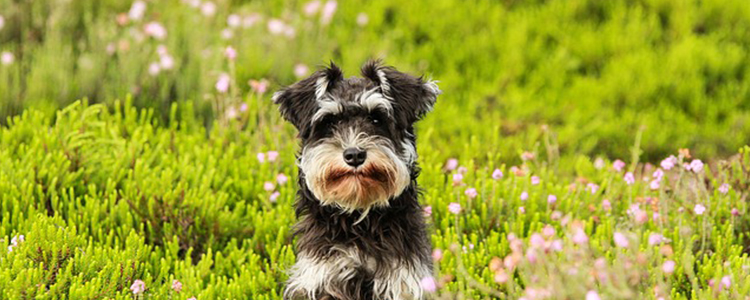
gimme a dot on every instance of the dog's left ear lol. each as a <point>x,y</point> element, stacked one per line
<point>299,102</point>
<point>414,96</point>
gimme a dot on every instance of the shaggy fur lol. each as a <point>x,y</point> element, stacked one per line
<point>361,232</point>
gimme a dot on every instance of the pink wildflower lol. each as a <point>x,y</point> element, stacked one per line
<point>618,165</point>
<point>620,240</point>
<point>454,208</point>
<point>629,178</point>
<point>176,285</point>
<point>138,286</point>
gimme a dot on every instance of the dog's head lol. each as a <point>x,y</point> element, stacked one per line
<point>358,144</point>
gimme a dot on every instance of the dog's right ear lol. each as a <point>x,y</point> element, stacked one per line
<point>299,102</point>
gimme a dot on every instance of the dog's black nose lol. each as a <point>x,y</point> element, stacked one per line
<point>355,156</point>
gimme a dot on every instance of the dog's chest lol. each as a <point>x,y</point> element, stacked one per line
<point>312,276</point>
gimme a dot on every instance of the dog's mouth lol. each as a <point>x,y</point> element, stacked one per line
<point>364,175</point>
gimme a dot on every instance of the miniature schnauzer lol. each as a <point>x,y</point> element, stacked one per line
<point>361,232</point>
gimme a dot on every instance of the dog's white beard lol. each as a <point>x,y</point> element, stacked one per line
<point>383,175</point>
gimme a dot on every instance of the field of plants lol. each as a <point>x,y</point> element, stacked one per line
<point>581,149</point>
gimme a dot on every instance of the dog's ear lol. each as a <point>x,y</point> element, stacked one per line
<point>413,96</point>
<point>299,102</point>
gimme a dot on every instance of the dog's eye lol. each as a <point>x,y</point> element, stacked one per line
<point>377,118</point>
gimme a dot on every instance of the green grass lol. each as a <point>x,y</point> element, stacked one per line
<point>152,179</point>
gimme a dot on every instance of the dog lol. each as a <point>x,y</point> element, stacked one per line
<point>361,233</point>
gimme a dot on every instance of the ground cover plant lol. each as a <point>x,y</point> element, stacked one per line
<point>581,149</point>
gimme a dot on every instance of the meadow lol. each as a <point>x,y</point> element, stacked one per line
<point>581,149</point>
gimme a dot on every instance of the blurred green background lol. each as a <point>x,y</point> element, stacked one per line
<point>594,72</point>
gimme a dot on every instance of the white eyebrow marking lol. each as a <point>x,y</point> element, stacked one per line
<point>327,106</point>
<point>371,99</point>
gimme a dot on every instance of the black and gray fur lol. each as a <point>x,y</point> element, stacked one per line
<point>354,242</point>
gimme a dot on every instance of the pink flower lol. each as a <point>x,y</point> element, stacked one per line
<point>230,53</point>
<point>548,231</point>
<point>536,241</point>
<point>301,70</point>
<point>735,212</point>
<point>551,199</point>
<point>176,285</point>
<point>193,3</point>
<point>699,209</point>
<point>726,282</point>
<point>261,157</point>
<point>2,22</point>
<point>454,208</point>
<point>592,295</point>
<point>557,245</point>
<point>427,211</point>
<point>155,30</point>
<point>497,174</point>
<point>272,155</point>
<point>592,187</point>
<point>629,178</point>
<point>243,107</point>
<point>428,284</point>
<point>501,276</point>
<point>250,20</point>
<point>641,216</point>
<point>531,255</point>
<point>281,179</point>
<point>579,237</point>
<point>524,196</point>
<point>598,163</point>
<point>208,9</point>
<point>154,69</point>
<point>192,298</point>
<point>668,267</point>
<point>655,239</point>
<point>259,86</point>
<point>362,19</point>
<point>451,164</point>
<point>656,216</point>
<point>618,165</point>
<point>234,21</point>
<point>222,84</point>
<point>521,210</point>
<point>669,162</point>
<point>166,62</point>
<point>437,254</point>
<point>137,10</point>
<point>227,33</point>
<point>471,193</point>
<point>231,113</point>
<point>654,184</point>
<point>138,286</point>
<point>328,10</point>
<point>658,174</point>
<point>606,204</point>
<point>535,180</point>
<point>620,240</point>
<point>268,186</point>
<point>274,196</point>
<point>696,165</point>
<point>462,170</point>
<point>311,7</point>
<point>276,26</point>
<point>457,179</point>
<point>526,155</point>
<point>724,188</point>
<point>290,32</point>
